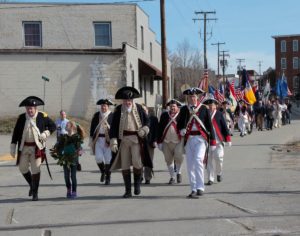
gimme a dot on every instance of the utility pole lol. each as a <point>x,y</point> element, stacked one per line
<point>240,60</point>
<point>218,44</point>
<point>204,19</point>
<point>163,53</point>
<point>224,63</point>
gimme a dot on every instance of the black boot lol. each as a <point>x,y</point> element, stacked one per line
<point>107,174</point>
<point>27,176</point>
<point>102,171</point>
<point>127,182</point>
<point>35,186</point>
<point>137,181</point>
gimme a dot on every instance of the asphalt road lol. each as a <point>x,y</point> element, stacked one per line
<point>260,195</point>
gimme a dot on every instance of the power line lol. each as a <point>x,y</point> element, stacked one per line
<point>205,20</point>
<point>218,44</point>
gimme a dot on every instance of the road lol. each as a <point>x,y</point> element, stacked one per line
<point>260,195</point>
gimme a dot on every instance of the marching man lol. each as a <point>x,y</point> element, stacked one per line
<point>99,139</point>
<point>170,140</point>
<point>29,138</point>
<point>222,135</point>
<point>128,139</point>
<point>195,127</point>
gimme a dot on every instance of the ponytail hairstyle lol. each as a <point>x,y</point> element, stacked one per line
<point>77,129</point>
<point>80,131</point>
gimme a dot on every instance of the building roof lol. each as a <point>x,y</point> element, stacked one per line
<point>286,36</point>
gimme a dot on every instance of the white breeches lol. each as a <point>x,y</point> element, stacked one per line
<point>243,125</point>
<point>217,157</point>
<point>195,150</point>
<point>102,151</point>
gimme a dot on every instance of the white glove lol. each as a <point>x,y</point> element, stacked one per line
<point>212,148</point>
<point>229,144</point>
<point>13,150</point>
<point>182,132</point>
<point>114,145</point>
<point>44,135</point>
<point>141,133</point>
<point>160,146</point>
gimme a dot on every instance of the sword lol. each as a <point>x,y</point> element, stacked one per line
<point>48,169</point>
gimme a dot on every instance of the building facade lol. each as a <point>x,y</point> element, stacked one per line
<point>287,59</point>
<point>87,51</point>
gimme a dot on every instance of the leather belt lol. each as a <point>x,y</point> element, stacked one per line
<point>128,133</point>
<point>195,133</point>
<point>30,144</point>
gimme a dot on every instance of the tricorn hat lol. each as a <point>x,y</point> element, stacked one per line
<point>104,101</point>
<point>226,101</point>
<point>127,93</point>
<point>174,101</point>
<point>209,99</point>
<point>32,101</point>
<point>193,91</point>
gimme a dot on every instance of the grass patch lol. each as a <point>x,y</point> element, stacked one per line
<point>7,124</point>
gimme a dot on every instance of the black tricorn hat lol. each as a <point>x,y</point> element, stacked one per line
<point>127,93</point>
<point>174,101</point>
<point>193,91</point>
<point>104,101</point>
<point>32,101</point>
<point>209,99</point>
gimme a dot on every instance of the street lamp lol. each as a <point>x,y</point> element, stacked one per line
<point>45,80</point>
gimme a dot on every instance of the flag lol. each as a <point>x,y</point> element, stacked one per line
<point>216,93</point>
<point>204,81</point>
<point>239,94</point>
<point>282,87</point>
<point>249,94</point>
<point>267,90</point>
<point>230,94</point>
<point>289,92</point>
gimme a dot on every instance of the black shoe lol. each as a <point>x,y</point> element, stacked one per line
<point>200,192</point>
<point>147,182</point>
<point>127,195</point>
<point>102,177</point>
<point>192,195</point>
<point>172,181</point>
<point>219,178</point>
<point>78,167</point>
<point>179,178</point>
<point>210,182</point>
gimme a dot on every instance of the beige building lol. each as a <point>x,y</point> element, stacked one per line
<point>88,51</point>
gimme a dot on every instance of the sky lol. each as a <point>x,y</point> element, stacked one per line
<point>246,26</point>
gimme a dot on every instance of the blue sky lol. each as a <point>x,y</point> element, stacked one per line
<point>245,25</point>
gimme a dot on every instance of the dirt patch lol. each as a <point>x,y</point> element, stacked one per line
<point>7,124</point>
<point>287,155</point>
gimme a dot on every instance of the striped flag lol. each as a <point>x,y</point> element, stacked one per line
<point>204,81</point>
<point>219,96</point>
<point>239,94</point>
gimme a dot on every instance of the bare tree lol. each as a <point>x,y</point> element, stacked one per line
<point>187,66</point>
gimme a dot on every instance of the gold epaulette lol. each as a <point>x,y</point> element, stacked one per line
<point>44,114</point>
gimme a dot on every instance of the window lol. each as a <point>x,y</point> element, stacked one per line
<point>142,37</point>
<point>295,45</point>
<point>102,34</point>
<point>132,78</point>
<point>283,63</point>
<point>283,46</point>
<point>151,52</point>
<point>32,34</point>
<point>295,63</point>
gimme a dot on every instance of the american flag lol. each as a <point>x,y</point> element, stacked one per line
<point>219,96</point>
<point>239,94</point>
<point>204,81</point>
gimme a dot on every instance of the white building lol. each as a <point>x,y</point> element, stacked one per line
<point>88,51</point>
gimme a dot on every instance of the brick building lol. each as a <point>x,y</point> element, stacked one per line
<point>287,59</point>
